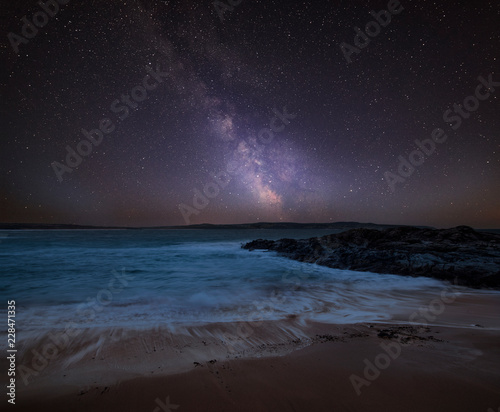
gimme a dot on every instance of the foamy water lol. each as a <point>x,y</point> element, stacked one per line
<point>147,278</point>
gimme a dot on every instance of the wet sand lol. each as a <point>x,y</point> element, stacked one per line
<point>449,364</point>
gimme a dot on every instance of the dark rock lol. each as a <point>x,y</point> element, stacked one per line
<point>460,255</point>
<point>259,244</point>
<point>387,334</point>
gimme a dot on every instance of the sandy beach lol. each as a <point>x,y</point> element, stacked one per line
<point>449,364</point>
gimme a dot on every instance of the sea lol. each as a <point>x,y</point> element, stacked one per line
<point>150,278</point>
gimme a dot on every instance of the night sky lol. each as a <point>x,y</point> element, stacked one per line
<point>261,111</point>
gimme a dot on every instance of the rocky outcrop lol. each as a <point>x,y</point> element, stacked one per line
<point>461,254</point>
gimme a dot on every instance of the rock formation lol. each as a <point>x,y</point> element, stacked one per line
<point>460,255</point>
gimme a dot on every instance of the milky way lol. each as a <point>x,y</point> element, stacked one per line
<point>246,111</point>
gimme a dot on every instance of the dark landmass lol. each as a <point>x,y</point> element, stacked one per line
<point>285,225</point>
<point>207,226</point>
<point>55,226</point>
<point>460,255</point>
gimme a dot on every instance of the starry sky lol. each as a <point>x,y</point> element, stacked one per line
<point>245,111</point>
